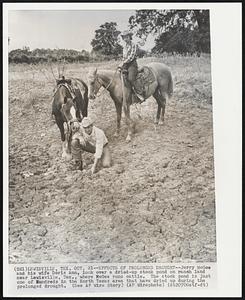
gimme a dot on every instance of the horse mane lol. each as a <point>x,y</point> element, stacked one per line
<point>80,82</point>
<point>108,74</point>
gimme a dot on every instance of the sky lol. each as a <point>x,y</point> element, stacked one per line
<point>69,29</point>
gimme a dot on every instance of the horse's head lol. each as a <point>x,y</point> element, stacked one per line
<point>94,84</point>
<point>69,107</point>
<point>69,111</point>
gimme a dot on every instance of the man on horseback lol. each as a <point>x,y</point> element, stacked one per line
<point>129,66</point>
<point>90,139</point>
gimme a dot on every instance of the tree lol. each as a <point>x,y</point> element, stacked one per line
<point>106,40</point>
<point>179,41</point>
<point>191,26</point>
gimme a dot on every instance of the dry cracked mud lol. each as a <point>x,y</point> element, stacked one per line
<point>155,204</point>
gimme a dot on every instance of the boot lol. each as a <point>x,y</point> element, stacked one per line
<point>79,165</point>
<point>135,97</point>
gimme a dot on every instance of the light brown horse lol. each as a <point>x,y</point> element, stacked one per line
<point>161,88</point>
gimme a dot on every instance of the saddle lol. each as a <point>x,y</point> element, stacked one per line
<point>144,79</point>
<point>68,84</point>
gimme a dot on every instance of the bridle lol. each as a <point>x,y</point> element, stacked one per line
<point>101,83</point>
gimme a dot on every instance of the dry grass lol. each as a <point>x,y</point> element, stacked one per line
<point>192,75</point>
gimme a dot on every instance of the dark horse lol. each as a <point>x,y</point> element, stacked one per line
<point>70,103</point>
<point>160,87</point>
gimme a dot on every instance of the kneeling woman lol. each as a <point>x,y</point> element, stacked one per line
<point>90,139</point>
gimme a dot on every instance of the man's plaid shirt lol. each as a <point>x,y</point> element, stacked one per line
<point>129,53</point>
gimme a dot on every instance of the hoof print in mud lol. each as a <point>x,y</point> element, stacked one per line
<point>42,231</point>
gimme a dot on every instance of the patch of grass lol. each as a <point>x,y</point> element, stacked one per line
<point>191,75</point>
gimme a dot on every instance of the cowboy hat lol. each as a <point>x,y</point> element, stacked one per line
<point>126,33</point>
<point>86,122</point>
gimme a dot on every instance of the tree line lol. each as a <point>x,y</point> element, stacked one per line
<point>175,31</point>
<point>25,55</point>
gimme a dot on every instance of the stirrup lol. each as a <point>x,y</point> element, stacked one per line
<point>137,98</point>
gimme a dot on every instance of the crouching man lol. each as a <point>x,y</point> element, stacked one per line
<point>90,139</point>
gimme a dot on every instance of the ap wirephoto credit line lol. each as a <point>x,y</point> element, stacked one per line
<point>112,172</point>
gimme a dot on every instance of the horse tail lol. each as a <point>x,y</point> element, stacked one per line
<point>170,85</point>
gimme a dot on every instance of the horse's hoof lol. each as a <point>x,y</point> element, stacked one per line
<point>69,157</point>
<point>128,139</point>
<point>66,156</point>
<point>160,122</point>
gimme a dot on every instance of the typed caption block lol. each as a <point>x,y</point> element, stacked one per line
<point>105,277</point>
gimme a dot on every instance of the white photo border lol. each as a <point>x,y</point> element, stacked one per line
<point>226,62</point>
